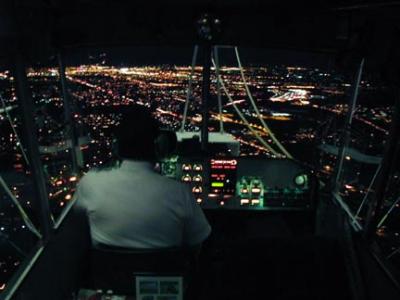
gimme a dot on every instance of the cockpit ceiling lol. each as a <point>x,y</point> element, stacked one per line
<point>40,26</point>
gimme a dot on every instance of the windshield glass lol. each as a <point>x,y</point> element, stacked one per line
<point>275,104</point>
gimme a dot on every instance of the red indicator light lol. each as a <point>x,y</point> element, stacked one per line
<point>232,162</point>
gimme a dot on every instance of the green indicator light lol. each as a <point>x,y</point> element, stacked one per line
<point>217,184</point>
<point>301,179</point>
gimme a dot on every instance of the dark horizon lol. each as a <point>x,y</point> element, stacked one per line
<point>182,56</point>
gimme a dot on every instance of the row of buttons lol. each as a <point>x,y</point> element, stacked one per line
<point>188,178</point>
<point>195,167</point>
<point>253,191</point>
<point>248,201</point>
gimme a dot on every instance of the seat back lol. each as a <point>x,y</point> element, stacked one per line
<point>114,268</point>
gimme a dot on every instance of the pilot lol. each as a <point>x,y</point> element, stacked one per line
<point>132,206</point>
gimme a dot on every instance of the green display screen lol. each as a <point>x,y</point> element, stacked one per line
<point>217,184</point>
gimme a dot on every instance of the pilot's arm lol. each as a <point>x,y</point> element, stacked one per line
<point>81,194</point>
<point>196,227</point>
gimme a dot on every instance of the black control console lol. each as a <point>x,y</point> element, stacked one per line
<point>244,183</point>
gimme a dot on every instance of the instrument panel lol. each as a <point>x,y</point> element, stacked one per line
<point>243,183</point>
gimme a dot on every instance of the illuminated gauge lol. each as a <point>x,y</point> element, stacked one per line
<point>186,178</point>
<point>301,180</point>
<point>197,189</point>
<point>186,167</point>
<point>170,168</point>
<point>243,181</point>
<point>256,190</point>
<point>197,178</point>
<point>217,184</point>
<point>198,168</point>
<point>199,200</point>
<point>255,201</point>
<point>244,201</point>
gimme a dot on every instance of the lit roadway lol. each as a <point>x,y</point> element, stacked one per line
<point>226,118</point>
<point>366,122</point>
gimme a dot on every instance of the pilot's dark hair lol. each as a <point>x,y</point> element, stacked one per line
<point>136,134</point>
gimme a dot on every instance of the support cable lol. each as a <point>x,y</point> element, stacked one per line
<point>41,201</point>
<point>189,90</point>
<point>354,222</point>
<point>271,134</point>
<point>19,144</point>
<point>71,129</point>
<point>347,127</point>
<point>217,72</point>
<point>7,239</point>
<point>205,95</point>
<point>368,190</point>
<point>388,212</point>
<point>243,118</point>
<point>393,253</point>
<point>388,163</point>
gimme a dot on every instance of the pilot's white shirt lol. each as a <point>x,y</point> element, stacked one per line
<point>132,206</point>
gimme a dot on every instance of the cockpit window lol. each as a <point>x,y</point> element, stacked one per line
<point>19,226</point>
<point>260,105</point>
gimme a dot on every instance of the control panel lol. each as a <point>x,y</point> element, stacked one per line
<point>243,183</point>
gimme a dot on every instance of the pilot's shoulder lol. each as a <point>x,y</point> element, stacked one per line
<point>170,183</point>
<point>105,169</point>
<point>95,175</point>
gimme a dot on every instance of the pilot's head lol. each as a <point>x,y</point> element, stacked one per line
<point>136,134</point>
